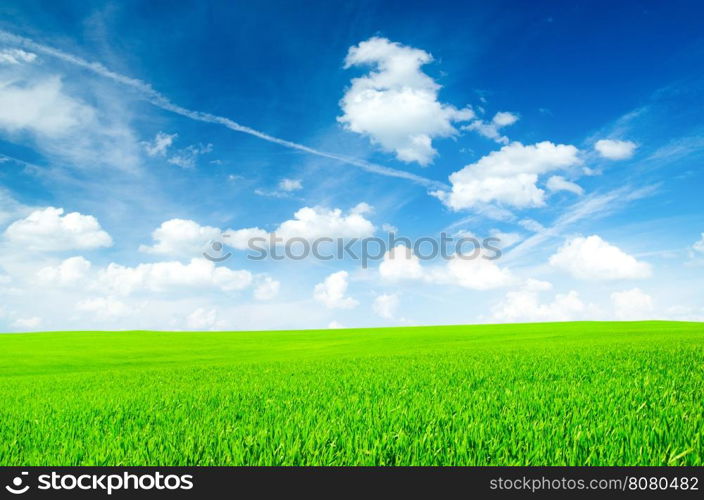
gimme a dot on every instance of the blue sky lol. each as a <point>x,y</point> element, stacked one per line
<point>571,132</point>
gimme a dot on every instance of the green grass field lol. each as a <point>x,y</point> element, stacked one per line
<point>533,394</point>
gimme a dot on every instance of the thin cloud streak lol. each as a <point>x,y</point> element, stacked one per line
<point>159,100</point>
<point>596,205</point>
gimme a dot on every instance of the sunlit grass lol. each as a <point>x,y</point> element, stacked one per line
<point>543,394</point>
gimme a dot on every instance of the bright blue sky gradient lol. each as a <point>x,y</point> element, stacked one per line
<point>572,74</point>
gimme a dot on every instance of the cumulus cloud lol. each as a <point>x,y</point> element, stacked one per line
<point>631,305</point>
<point>615,150</point>
<point>396,104</point>
<point>400,264</point>
<point>203,319</point>
<point>240,238</point>
<point>508,176</point>
<point>491,129</point>
<point>475,274</point>
<point>284,189</point>
<point>267,289</point>
<point>88,130</point>
<point>40,107</point>
<point>699,245</point>
<point>69,272</point>
<point>49,230</point>
<point>592,258</point>
<point>525,306</point>
<point>559,183</point>
<point>160,144</point>
<point>105,308</point>
<point>289,185</point>
<point>331,292</point>
<point>181,237</point>
<point>165,276</point>
<point>386,305</point>
<point>310,223</point>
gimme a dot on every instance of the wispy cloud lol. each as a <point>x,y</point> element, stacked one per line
<point>595,205</point>
<point>159,100</point>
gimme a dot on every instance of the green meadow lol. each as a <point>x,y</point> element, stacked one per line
<point>529,394</point>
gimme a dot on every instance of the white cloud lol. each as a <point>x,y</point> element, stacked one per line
<point>531,225</point>
<point>534,285</point>
<point>559,183</point>
<point>160,145</point>
<point>188,157</point>
<point>240,238</point>
<point>334,325</point>
<point>310,223</point>
<point>69,272</point>
<point>40,107</point>
<point>283,189</point>
<point>396,104</point>
<point>615,150</point>
<point>506,239</point>
<point>203,319</point>
<point>699,245</point>
<point>525,306</point>
<point>16,56</point>
<point>475,274</point>
<point>267,289</point>
<point>491,130</point>
<point>10,208</point>
<point>331,292</point>
<point>181,237</point>
<point>105,308</point>
<point>504,119</point>
<point>508,176</point>
<point>161,101</point>
<point>401,264</point>
<point>272,194</point>
<point>685,313</point>
<point>31,323</point>
<point>592,258</point>
<point>289,185</point>
<point>165,276</point>
<point>632,304</point>
<point>49,230</point>
<point>85,126</point>
<point>386,305</point>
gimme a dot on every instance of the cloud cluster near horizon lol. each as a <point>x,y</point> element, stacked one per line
<point>90,273</point>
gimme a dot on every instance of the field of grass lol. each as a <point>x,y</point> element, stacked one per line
<point>533,394</point>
